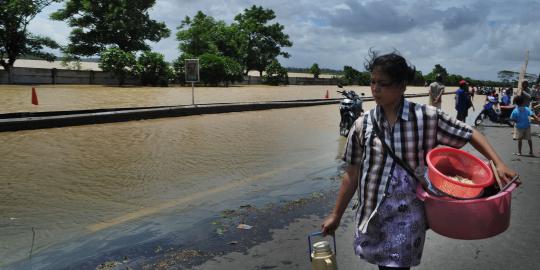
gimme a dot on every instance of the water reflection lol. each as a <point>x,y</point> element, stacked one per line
<point>68,182</point>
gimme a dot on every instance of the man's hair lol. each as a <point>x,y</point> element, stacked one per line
<point>392,64</point>
<point>519,100</point>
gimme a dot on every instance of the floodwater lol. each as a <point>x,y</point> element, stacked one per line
<point>62,186</point>
<point>76,97</point>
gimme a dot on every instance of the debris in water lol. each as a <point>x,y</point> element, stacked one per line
<point>244,227</point>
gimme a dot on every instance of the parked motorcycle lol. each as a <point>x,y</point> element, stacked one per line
<point>495,113</point>
<point>350,109</point>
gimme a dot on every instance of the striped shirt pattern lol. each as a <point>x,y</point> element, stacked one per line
<point>418,129</point>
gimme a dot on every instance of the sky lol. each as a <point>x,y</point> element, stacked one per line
<point>473,38</point>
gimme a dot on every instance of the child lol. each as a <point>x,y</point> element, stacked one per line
<point>390,223</point>
<point>521,116</point>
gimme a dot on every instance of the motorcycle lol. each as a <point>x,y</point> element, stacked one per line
<point>495,113</point>
<point>350,108</point>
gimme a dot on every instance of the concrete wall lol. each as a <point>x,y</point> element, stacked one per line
<point>25,75</point>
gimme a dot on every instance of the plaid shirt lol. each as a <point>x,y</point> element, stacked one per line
<point>418,129</point>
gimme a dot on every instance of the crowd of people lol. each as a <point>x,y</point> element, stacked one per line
<point>521,108</point>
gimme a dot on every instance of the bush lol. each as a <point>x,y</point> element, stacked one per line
<point>153,69</point>
<point>212,68</point>
<point>119,62</point>
<point>233,70</point>
<point>275,74</point>
<point>315,70</point>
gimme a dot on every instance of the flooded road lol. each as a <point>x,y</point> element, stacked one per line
<point>106,182</point>
<point>17,98</point>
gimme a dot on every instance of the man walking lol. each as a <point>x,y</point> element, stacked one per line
<point>463,101</point>
<point>436,90</point>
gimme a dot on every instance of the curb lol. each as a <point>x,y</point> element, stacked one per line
<point>53,119</point>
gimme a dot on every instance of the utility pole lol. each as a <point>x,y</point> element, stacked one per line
<point>522,72</point>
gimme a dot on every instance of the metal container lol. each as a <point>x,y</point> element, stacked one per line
<point>321,255</point>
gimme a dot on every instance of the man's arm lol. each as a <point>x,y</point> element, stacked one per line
<point>440,94</point>
<point>347,189</point>
<point>480,143</point>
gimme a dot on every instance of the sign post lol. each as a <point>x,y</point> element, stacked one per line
<point>192,75</point>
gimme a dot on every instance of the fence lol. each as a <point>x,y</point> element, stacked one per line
<point>25,75</point>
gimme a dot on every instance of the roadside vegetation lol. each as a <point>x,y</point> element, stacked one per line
<point>117,33</point>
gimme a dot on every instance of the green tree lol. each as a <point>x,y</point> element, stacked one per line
<point>315,70</point>
<point>100,24</point>
<point>196,36</point>
<point>71,62</point>
<point>120,62</point>
<point>153,69</point>
<point>438,69</point>
<point>275,74</point>
<point>506,76</point>
<point>453,79</point>
<point>233,71</point>
<point>179,68</point>
<point>263,41</point>
<point>15,40</point>
<point>203,34</point>
<point>212,68</point>
<point>418,78</point>
<point>350,75</point>
<point>364,78</point>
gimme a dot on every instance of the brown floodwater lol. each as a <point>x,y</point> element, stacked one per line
<point>17,98</point>
<point>67,183</point>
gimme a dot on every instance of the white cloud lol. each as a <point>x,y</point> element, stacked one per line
<point>473,38</point>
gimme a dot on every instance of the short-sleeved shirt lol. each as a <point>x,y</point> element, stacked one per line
<point>463,100</point>
<point>521,116</point>
<point>418,129</point>
<point>435,89</point>
<point>505,100</point>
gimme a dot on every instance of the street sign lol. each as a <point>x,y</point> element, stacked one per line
<point>192,70</point>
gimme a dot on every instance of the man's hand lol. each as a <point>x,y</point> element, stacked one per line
<point>330,224</point>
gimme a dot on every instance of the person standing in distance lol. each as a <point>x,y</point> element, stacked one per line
<point>463,101</point>
<point>436,90</point>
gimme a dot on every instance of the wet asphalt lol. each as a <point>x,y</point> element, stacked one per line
<point>516,248</point>
<point>278,236</point>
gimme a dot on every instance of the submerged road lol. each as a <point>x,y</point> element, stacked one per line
<point>81,196</point>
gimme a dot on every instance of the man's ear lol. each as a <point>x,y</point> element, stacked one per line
<point>403,86</point>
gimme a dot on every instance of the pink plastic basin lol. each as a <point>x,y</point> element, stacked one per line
<point>468,219</point>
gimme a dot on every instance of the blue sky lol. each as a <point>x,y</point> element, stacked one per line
<point>473,38</point>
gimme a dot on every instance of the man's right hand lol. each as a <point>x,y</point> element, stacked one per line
<point>330,224</point>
